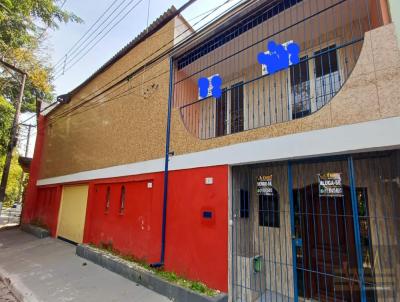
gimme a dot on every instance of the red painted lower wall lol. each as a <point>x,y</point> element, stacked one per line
<point>196,246</point>
<point>30,198</point>
<point>47,207</point>
<point>134,231</point>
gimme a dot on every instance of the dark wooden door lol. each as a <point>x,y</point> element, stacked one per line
<point>327,260</point>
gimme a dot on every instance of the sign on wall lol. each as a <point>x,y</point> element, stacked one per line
<point>264,185</point>
<point>210,86</point>
<point>279,57</point>
<point>330,185</point>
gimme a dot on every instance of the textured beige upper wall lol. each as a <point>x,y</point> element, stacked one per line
<point>127,125</point>
<point>372,92</point>
<point>114,129</point>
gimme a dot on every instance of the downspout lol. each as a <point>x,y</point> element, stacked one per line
<point>165,196</point>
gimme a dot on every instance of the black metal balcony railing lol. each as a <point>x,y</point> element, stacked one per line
<point>330,34</point>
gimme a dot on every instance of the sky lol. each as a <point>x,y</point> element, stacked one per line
<point>134,23</point>
<point>80,63</point>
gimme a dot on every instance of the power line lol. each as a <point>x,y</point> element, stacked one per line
<point>41,111</point>
<point>84,35</point>
<point>153,36</point>
<point>118,96</point>
<point>142,67</point>
<point>57,75</point>
<point>86,100</point>
<point>100,39</point>
<point>61,72</point>
<point>156,35</point>
<point>62,114</point>
<point>155,60</point>
<point>95,30</point>
<point>170,50</point>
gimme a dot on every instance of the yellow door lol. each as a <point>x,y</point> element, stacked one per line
<point>71,219</point>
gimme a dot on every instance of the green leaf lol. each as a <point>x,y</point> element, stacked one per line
<point>22,27</point>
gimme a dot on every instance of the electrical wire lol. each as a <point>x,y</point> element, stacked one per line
<point>209,12</point>
<point>118,96</point>
<point>58,74</point>
<point>41,111</point>
<point>153,36</point>
<point>86,99</point>
<point>84,35</point>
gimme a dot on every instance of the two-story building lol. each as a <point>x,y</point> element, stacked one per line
<point>286,187</point>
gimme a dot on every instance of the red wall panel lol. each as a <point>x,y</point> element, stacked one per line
<point>196,246</point>
<point>133,231</point>
<point>47,207</point>
<point>30,198</point>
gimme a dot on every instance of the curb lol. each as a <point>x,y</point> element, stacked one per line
<point>17,288</point>
<point>35,231</point>
<point>144,277</point>
<point>16,293</point>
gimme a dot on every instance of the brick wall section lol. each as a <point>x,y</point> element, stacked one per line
<point>117,130</point>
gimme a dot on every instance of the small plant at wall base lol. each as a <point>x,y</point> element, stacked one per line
<point>172,277</point>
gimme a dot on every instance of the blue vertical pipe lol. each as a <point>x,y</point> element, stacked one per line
<point>167,141</point>
<point>293,232</point>
<point>356,228</point>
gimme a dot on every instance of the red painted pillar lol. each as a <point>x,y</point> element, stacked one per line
<point>28,210</point>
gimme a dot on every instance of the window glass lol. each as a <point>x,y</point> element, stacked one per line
<point>221,116</point>
<point>269,210</point>
<point>108,195</point>
<point>244,204</point>
<point>326,61</point>
<point>237,98</point>
<point>122,200</point>
<point>327,82</point>
<point>300,82</point>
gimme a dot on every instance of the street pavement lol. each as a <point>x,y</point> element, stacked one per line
<point>48,270</point>
<point>9,217</point>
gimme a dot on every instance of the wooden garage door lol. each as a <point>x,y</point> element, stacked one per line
<point>71,220</point>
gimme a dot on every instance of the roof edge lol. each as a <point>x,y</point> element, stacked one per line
<point>156,25</point>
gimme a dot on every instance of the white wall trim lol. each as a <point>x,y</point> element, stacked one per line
<point>368,136</point>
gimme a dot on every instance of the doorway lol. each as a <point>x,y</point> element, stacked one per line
<point>71,219</point>
<point>322,229</point>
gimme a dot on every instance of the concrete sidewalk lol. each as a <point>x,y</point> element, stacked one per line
<point>9,217</point>
<point>48,270</point>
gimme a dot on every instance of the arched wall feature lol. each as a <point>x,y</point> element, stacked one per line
<point>330,35</point>
<point>370,93</point>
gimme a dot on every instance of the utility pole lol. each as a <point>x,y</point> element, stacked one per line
<point>28,139</point>
<point>13,136</point>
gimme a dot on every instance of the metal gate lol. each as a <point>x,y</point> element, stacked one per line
<point>320,230</point>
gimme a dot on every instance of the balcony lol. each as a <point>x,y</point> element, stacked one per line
<point>330,34</point>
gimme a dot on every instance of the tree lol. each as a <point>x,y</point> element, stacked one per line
<point>6,119</point>
<point>13,190</point>
<point>23,26</point>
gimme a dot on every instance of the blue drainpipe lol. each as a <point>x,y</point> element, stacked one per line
<point>165,197</point>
